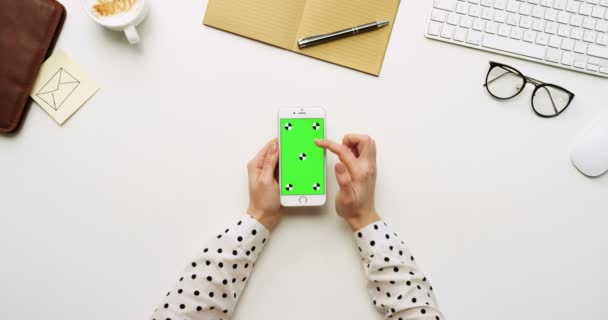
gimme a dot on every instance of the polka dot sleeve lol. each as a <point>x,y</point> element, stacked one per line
<point>211,284</point>
<point>395,284</point>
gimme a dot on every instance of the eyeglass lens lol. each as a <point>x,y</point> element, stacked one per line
<point>550,101</point>
<point>503,82</point>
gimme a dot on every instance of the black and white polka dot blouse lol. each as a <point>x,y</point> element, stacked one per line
<point>211,285</point>
<point>397,287</point>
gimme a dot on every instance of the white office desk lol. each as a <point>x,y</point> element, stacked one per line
<point>99,216</point>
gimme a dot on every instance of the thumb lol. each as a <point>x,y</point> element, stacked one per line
<point>270,162</point>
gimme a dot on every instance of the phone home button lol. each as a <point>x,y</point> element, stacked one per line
<point>303,200</point>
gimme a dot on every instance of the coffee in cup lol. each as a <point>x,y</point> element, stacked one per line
<point>122,15</point>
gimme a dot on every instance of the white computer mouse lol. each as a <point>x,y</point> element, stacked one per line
<point>589,152</point>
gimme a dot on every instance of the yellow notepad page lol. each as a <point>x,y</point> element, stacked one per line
<point>283,22</point>
<point>272,21</point>
<point>364,52</point>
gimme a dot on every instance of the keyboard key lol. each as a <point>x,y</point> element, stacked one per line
<point>513,19</point>
<point>439,15</point>
<point>585,9</point>
<point>538,12</point>
<point>487,3</point>
<point>474,37</point>
<point>564,30</point>
<point>593,60</point>
<point>504,30</point>
<point>516,33</point>
<point>555,41</point>
<point>514,46</point>
<point>445,4</point>
<point>434,28</point>
<point>563,17</point>
<point>580,47</point>
<point>546,3</point>
<point>593,67</point>
<point>604,70</point>
<point>589,23</point>
<point>479,24</point>
<point>500,4</point>
<point>568,44</point>
<point>491,27</point>
<point>589,36</point>
<point>560,4</point>
<point>576,21</point>
<point>598,12</point>
<point>572,6</point>
<point>487,14</point>
<point>602,26</point>
<point>474,1</point>
<point>567,58</point>
<point>577,34</point>
<point>525,9</point>
<point>554,55</point>
<point>466,22</point>
<point>475,11</point>
<point>551,28</point>
<point>529,36</point>
<point>512,6</point>
<point>462,7</point>
<point>500,16</point>
<point>597,51</point>
<point>534,1</point>
<point>580,61</point>
<point>542,39</point>
<point>538,25</point>
<point>460,34</point>
<point>453,19</point>
<point>604,3</point>
<point>525,22</point>
<point>551,14</point>
<point>580,57</point>
<point>447,31</point>
<point>602,39</point>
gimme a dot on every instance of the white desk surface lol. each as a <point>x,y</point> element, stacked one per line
<point>99,216</point>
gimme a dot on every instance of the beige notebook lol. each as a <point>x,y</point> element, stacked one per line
<point>283,22</point>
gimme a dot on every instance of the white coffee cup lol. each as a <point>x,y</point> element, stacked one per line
<point>124,21</point>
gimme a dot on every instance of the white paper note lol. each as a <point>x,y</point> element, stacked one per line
<point>61,87</point>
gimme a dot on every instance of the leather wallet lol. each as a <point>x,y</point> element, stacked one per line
<point>28,31</point>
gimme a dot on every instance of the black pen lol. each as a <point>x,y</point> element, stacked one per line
<point>322,38</point>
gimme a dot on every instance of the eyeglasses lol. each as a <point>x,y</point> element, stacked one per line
<point>548,100</point>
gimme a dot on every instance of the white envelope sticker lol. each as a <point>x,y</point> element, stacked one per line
<point>61,87</point>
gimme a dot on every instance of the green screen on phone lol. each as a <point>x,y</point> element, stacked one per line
<point>302,162</point>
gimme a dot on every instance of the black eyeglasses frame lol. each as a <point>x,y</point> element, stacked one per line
<point>537,84</point>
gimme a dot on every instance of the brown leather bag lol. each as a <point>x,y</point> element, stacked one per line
<point>28,31</point>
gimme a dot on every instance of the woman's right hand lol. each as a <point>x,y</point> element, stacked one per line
<point>356,175</point>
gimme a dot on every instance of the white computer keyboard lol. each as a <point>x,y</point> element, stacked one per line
<point>570,34</point>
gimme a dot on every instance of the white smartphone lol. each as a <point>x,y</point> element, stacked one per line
<point>301,162</point>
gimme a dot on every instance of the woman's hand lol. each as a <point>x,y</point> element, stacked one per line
<point>264,201</point>
<point>356,174</point>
